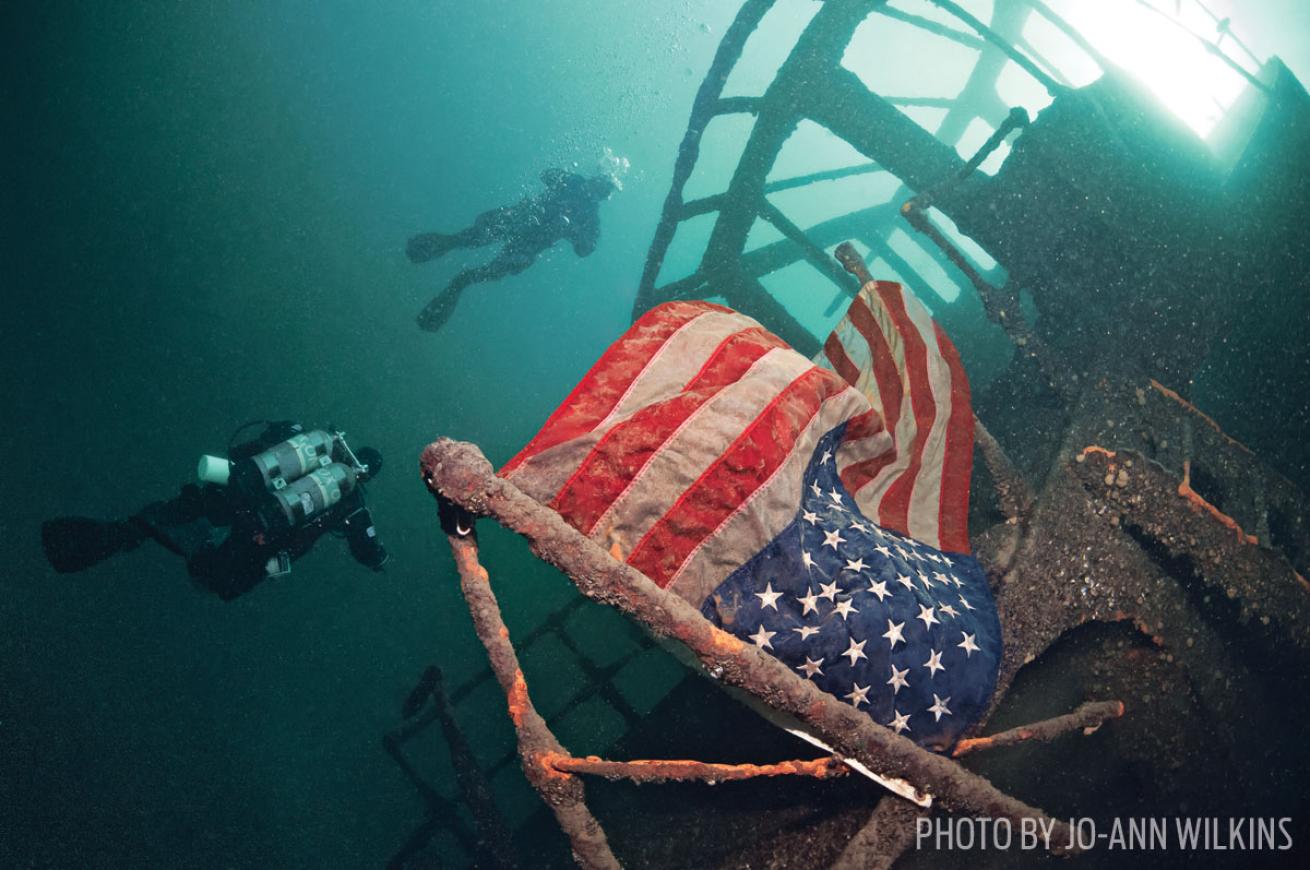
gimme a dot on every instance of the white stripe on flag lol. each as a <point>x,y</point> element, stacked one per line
<point>926,498</point>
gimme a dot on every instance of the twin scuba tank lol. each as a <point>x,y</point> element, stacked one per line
<point>293,482</point>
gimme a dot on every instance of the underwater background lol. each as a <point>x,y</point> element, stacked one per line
<point>205,210</point>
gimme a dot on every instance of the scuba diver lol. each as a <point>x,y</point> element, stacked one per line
<point>569,209</point>
<point>250,515</point>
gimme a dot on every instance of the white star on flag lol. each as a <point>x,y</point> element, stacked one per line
<point>829,591</point>
<point>833,538</point>
<point>845,608</point>
<point>900,721</point>
<point>811,667</point>
<point>808,603</point>
<point>879,589</point>
<point>810,517</point>
<point>855,651</point>
<point>805,631</point>
<point>939,707</point>
<point>893,632</point>
<point>856,565</point>
<point>768,598</point>
<point>934,663</point>
<point>967,645</point>
<point>925,614</point>
<point>763,637</point>
<point>898,681</point>
<point>858,694</point>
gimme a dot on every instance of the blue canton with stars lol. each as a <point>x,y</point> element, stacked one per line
<point>898,629</point>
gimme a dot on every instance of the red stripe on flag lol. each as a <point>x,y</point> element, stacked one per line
<point>624,450</point>
<point>734,477</point>
<point>841,362</point>
<point>957,465</point>
<point>857,474</point>
<point>862,426</point>
<point>894,510</point>
<point>604,385</point>
<point>888,381</point>
<point>738,348</point>
<point>885,373</point>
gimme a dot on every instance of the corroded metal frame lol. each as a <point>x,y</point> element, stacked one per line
<point>465,485</point>
<point>812,85</point>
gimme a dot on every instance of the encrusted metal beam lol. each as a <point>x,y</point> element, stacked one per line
<point>562,792</point>
<point>1012,491</point>
<point>880,131</point>
<point>813,253</point>
<point>1210,545</point>
<point>1000,303</point>
<point>1088,717</point>
<point>703,109</point>
<point>681,770</point>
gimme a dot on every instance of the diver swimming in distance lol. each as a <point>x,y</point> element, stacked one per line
<point>250,515</point>
<point>569,208</point>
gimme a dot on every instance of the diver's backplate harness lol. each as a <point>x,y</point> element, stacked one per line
<point>292,484</point>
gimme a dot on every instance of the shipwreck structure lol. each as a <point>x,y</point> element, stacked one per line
<point>1099,266</point>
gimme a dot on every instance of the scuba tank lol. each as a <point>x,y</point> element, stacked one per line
<point>298,503</point>
<point>286,462</point>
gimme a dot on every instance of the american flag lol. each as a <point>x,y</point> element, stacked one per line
<point>814,508</point>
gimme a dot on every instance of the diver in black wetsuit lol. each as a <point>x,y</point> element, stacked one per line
<point>249,518</point>
<point>569,209</point>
